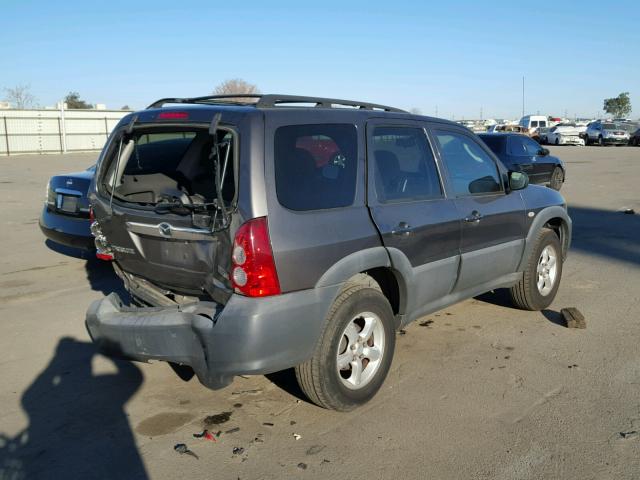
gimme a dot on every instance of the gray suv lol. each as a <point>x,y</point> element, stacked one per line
<point>258,233</point>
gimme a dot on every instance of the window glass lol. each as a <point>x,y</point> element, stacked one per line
<point>534,123</point>
<point>315,165</point>
<point>403,165</point>
<point>494,142</point>
<point>471,169</point>
<point>531,146</point>
<point>543,123</point>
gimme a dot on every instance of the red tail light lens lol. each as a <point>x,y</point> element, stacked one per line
<point>253,270</point>
<point>104,256</point>
<point>173,116</point>
<point>92,216</point>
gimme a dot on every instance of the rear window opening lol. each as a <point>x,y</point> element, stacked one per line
<point>171,165</point>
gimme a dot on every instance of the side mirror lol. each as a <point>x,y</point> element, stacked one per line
<point>543,152</point>
<point>518,180</point>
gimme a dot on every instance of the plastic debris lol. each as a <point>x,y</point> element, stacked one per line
<point>573,318</point>
<point>267,424</point>
<point>233,430</point>
<point>426,323</point>
<point>182,449</point>
<point>296,436</point>
<point>238,450</point>
<point>315,449</point>
<point>206,434</point>
<point>302,466</point>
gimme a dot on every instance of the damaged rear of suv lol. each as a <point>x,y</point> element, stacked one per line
<point>262,232</point>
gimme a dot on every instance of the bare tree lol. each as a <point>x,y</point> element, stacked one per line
<point>20,96</point>
<point>235,85</point>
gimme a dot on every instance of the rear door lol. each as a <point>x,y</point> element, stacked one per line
<point>493,227</point>
<point>408,205</point>
<point>521,155</point>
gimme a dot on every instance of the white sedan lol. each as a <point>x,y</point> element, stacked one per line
<point>564,135</point>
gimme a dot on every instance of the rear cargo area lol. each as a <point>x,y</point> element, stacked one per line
<point>170,193</point>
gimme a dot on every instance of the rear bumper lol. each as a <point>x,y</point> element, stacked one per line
<point>246,336</point>
<point>66,230</point>
<point>615,141</point>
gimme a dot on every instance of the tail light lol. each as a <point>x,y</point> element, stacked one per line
<point>253,270</point>
<point>103,252</point>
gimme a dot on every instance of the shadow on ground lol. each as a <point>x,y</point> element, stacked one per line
<point>77,424</point>
<point>100,273</point>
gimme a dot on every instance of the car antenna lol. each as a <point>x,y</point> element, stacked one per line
<point>115,172</point>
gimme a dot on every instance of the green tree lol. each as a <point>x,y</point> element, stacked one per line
<point>619,107</point>
<point>74,101</point>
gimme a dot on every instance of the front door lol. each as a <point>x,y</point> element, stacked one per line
<point>493,222</point>
<point>419,226</point>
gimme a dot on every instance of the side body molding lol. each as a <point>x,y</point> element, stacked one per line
<point>541,218</point>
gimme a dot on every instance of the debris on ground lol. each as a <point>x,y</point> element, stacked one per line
<point>303,466</point>
<point>315,449</point>
<point>324,460</point>
<point>628,211</point>
<point>253,391</point>
<point>575,365</point>
<point>238,450</point>
<point>426,323</point>
<point>267,424</point>
<point>296,436</point>
<point>292,422</point>
<point>206,434</point>
<point>182,449</point>
<point>573,318</point>
<point>217,419</point>
<point>402,331</point>
<point>233,430</point>
<point>237,405</point>
<point>629,435</point>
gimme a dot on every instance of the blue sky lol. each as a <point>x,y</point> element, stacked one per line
<point>458,56</point>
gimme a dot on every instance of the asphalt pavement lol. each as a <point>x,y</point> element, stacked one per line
<point>477,391</point>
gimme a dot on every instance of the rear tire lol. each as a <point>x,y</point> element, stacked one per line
<point>541,277</point>
<point>557,178</point>
<point>336,376</point>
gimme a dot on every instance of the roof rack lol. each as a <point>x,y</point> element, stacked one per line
<point>273,100</point>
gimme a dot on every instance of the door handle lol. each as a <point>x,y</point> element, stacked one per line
<point>475,217</point>
<point>403,228</point>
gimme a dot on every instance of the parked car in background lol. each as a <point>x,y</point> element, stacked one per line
<point>521,153</point>
<point>532,122</point>
<point>506,128</point>
<point>65,215</point>
<point>606,133</point>
<point>250,250</point>
<point>564,134</point>
<point>634,139</point>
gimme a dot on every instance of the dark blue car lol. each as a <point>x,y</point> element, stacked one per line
<point>521,153</point>
<point>65,216</point>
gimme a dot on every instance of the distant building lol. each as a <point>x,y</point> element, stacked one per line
<point>5,105</point>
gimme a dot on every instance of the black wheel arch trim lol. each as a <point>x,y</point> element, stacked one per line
<point>542,218</point>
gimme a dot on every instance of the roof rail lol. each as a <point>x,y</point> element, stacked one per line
<point>273,100</point>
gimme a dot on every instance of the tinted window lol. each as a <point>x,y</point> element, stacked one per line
<point>471,169</point>
<point>403,165</point>
<point>543,123</point>
<point>531,146</point>
<point>534,123</point>
<point>494,142</point>
<point>315,166</point>
<point>523,147</point>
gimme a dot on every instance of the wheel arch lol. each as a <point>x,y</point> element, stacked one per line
<point>557,219</point>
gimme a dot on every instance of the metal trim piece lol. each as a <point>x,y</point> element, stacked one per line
<point>166,230</point>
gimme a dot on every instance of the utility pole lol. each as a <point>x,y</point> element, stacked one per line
<point>480,112</point>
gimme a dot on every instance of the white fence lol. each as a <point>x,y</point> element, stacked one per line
<point>55,131</point>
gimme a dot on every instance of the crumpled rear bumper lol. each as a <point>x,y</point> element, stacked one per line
<point>246,336</point>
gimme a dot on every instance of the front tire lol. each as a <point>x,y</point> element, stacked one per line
<point>557,178</point>
<point>354,353</point>
<point>541,278</point>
